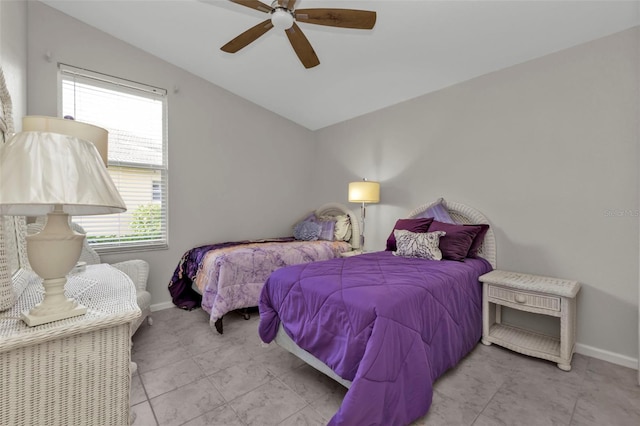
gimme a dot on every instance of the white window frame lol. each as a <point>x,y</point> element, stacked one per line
<point>138,89</point>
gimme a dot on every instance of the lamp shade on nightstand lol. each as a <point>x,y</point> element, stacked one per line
<point>39,170</point>
<point>94,134</point>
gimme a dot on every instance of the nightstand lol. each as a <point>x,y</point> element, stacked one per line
<point>531,293</point>
<point>75,371</point>
<point>350,253</point>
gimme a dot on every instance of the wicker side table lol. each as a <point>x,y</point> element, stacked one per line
<point>74,371</point>
<point>531,293</point>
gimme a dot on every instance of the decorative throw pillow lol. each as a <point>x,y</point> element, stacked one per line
<point>342,231</point>
<point>413,225</point>
<point>327,228</point>
<point>456,243</point>
<point>423,245</point>
<point>438,211</point>
<point>478,240</point>
<point>306,231</point>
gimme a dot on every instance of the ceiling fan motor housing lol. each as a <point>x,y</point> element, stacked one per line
<point>281,18</point>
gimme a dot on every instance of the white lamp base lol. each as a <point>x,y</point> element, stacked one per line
<point>52,254</point>
<point>56,308</point>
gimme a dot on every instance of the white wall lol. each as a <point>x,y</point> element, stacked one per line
<point>230,171</point>
<point>547,150</point>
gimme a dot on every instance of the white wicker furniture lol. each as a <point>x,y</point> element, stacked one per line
<point>136,269</point>
<point>530,293</point>
<point>8,253</point>
<point>74,371</point>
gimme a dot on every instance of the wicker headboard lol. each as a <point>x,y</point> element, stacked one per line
<point>462,213</point>
<point>337,209</point>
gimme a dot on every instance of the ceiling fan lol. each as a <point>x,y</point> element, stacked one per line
<point>284,17</point>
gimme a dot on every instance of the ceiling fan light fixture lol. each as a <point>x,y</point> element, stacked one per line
<point>281,18</point>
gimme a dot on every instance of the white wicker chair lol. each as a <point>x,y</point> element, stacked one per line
<point>136,269</point>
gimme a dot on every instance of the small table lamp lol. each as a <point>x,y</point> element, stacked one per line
<point>58,175</point>
<point>363,192</point>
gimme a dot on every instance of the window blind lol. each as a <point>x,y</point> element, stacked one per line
<point>135,116</point>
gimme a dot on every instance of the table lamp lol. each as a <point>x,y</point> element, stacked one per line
<point>57,175</point>
<point>364,191</point>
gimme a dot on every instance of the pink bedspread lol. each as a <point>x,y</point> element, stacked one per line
<point>232,277</point>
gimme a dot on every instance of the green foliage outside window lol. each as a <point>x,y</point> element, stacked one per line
<point>146,225</point>
<point>146,220</point>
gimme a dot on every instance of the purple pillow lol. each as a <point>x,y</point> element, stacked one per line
<point>306,231</point>
<point>412,225</point>
<point>327,229</point>
<point>478,240</point>
<point>438,212</point>
<point>458,239</point>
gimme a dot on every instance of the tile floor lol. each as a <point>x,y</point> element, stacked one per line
<point>190,375</point>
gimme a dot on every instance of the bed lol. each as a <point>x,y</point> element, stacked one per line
<point>229,276</point>
<point>384,326</point>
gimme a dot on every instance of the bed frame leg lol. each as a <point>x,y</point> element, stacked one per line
<point>245,313</point>
<point>218,325</point>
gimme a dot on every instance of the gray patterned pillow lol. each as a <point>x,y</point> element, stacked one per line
<point>423,245</point>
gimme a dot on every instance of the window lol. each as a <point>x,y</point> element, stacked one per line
<point>136,117</point>
<point>155,190</point>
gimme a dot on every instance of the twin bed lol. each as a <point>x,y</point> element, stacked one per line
<point>383,325</point>
<point>229,276</point>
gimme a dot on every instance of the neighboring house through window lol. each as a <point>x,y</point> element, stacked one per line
<point>135,115</point>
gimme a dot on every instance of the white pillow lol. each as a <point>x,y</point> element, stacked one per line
<point>342,231</point>
<point>422,245</point>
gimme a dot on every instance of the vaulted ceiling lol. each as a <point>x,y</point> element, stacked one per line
<point>416,47</point>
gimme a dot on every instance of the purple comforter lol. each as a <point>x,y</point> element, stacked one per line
<point>391,325</point>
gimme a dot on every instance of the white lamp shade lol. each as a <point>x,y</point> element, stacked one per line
<point>94,134</point>
<point>364,192</point>
<point>39,170</point>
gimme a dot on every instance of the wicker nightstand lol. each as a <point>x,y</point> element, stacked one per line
<point>74,371</point>
<point>531,293</point>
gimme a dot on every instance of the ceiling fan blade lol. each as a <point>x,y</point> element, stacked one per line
<point>247,37</point>
<point>255,4</point>
<point>302,47</point>
<point>287,4</point>
<point>344,18</point>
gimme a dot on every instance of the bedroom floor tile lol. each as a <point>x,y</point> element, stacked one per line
<point>186,403</point>
<point>269,404</point>
<point>163,380</point>
<point>143,415</point>
<point>307,417</point>
<point>138,394</point>
<point>237,380</point>
<point>190,375</point>
<point>221,416</point>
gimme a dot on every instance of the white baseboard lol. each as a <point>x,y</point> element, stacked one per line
<point>161,306</point>
<point>603,355</point>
